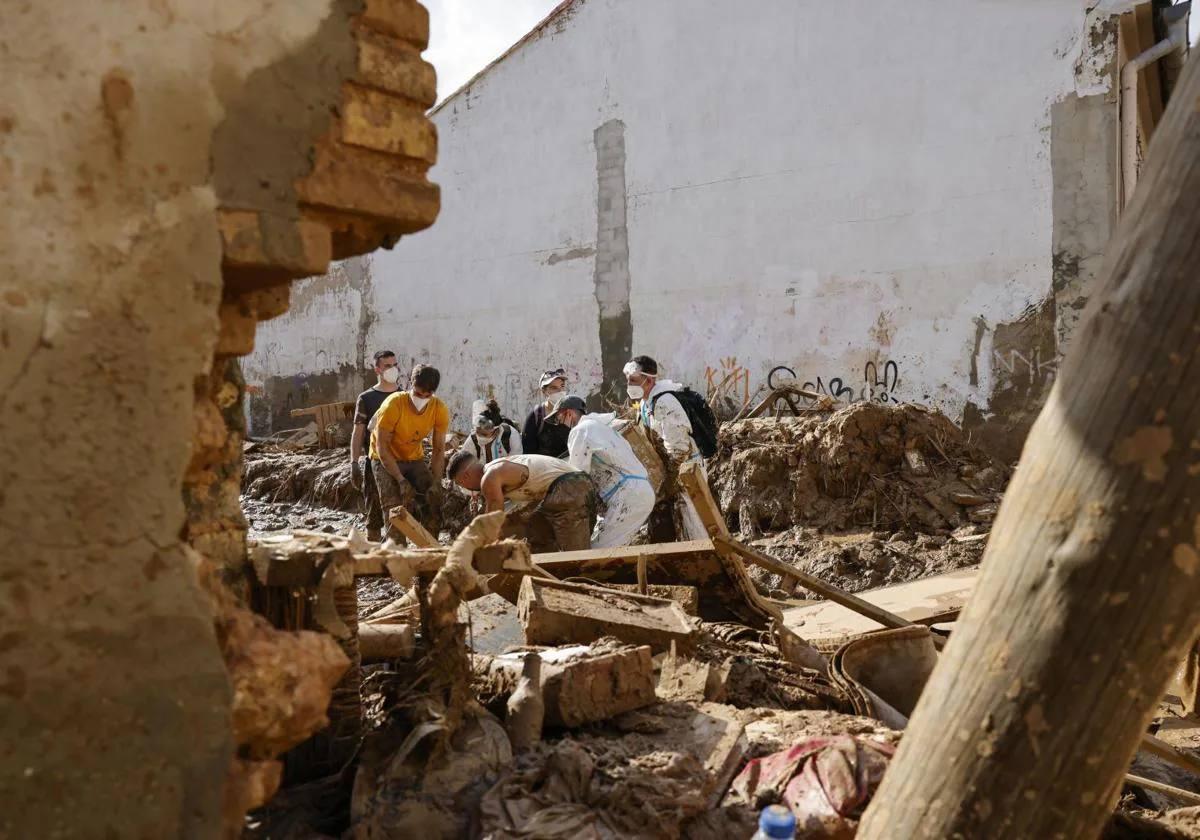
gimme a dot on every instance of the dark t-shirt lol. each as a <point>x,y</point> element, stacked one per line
<point>544,438</point>
<point>368,403</point>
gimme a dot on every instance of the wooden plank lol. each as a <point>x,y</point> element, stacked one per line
<point>697,488</point>
<point>407,524</point>
<point>696,485</point>
<point>1167,752</point>
<point>815,584</point>
<point>915,602</point>
<point>1162,787</point>
<point>621,554</point>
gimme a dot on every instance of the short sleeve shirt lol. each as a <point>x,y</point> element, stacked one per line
<point>368,403</point>
<point>407,426</point>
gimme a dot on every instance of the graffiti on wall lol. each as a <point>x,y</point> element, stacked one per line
<point>1015,363</point>
<point>729,383</point>
<point>879,383</point>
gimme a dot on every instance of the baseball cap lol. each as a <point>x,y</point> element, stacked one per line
<point>550,375</point>
<point>570,401</point>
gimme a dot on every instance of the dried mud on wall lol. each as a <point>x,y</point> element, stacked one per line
<point>114,700</point>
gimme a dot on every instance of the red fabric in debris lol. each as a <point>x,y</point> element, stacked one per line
<point>826,781</point>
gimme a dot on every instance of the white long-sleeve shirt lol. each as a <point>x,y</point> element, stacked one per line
<point>595,447</point>
<point>670,420</point>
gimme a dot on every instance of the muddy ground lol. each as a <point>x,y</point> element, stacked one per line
<point>863,497</point>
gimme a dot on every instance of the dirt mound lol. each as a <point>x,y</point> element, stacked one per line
<point>868,560</point>
<point>319,478</point>
<point>316,477</point>
<point>884,467</point>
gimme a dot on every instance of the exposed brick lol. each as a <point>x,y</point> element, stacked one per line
<point>373,184</point>
<point>254,239</point>
<point>407,20</point>
<point>396,67</point>
<point>375,120</point>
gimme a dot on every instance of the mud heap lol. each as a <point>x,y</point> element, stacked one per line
<point>868,465</point>
<point>317,478</point>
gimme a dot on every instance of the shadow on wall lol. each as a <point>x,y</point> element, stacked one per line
<point>272,404</point>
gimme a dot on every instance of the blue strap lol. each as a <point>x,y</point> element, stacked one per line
<point>610,492</point>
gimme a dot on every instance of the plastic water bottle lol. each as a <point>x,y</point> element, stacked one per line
<point>777,822</point>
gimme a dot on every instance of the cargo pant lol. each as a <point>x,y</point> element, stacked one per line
<point>569,509</point>
<point>372,508</point>
<point>413,494</point>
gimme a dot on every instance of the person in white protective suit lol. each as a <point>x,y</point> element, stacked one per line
<point>659,410</point>
<point>596,448</point>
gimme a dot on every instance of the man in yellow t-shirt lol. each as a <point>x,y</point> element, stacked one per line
<point>402,423</point>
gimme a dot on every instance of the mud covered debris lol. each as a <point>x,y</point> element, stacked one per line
<point>856,562</point>
<point>285,488</point>
<point>868,465</point>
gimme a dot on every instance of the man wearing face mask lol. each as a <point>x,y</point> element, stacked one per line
<point>404,420</point>
<point>387,375</point>
<point>542,436</point>
<point>596,448</point>
<point>660,408</point>
<point>494,435</point>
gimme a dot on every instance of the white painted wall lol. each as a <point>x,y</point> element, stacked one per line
<point>819,185</point>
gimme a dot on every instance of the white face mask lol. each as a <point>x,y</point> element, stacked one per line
<point>391,375</point>
<point>419,403</point>
<point>636,392</point>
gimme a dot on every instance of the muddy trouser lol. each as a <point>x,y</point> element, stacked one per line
<point>392,493</point>
<point>569,507</point>
<point>693,526</point>
<point>629,501</point>
<point>371,506</point>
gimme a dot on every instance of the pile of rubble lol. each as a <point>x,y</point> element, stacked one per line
<point>312,476</point>
<point>867,465</point>
<point>288,487</point>
<point>610,713</point>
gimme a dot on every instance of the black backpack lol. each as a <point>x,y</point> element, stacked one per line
<point>700,415</point>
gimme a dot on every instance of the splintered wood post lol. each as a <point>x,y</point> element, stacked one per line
<point>407,524</point>
<point>695,485</point>
<point>641,574</point>
<point>710,514</point>
<point>1089,592</point>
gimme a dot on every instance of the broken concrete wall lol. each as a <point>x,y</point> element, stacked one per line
<point>132,276</point>
<point>876,214</point>
<point>115,700</point>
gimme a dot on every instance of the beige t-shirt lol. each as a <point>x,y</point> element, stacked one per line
<point>542,469</point>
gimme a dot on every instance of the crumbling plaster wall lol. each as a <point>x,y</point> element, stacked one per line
<point>114,699</point>
<point>880,213</point>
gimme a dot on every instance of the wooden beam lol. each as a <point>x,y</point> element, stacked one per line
<point>606,557</point>
<point>815,584</point>
<point>1162,787</point>
<point>693,481</point>
<point>407,524</point>
<point>1167,752</point>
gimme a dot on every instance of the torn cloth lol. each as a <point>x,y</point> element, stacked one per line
<point>826,781</point>
<point>594,788</point>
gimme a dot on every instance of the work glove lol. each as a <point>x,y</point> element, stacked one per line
<point>356,475</point>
